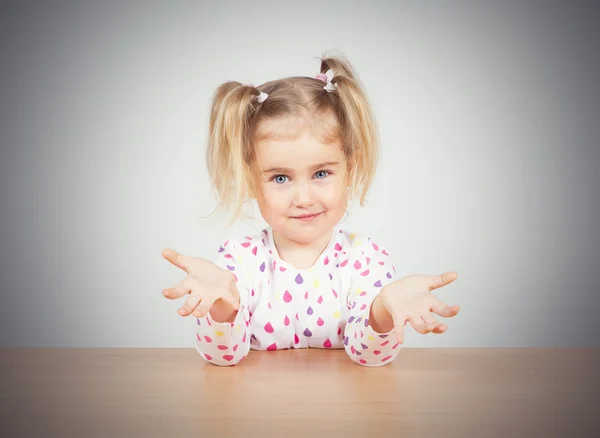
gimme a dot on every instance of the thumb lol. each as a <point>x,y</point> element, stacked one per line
<point>231,301</point>
<point>438,281</point>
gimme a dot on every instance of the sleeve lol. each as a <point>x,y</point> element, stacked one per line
<point>370,274</point>
<point>226,343</point>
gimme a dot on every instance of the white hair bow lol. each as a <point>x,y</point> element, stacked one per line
<point>330,86</point>
<point>262,97</point>
<point>327,77</point>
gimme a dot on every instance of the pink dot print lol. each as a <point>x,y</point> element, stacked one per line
<point>268,327</point>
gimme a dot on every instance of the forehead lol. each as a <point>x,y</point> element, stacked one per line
<point>296,143</point>
<point>299,153</point>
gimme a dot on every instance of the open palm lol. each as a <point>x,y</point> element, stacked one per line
<point>205,282</point>
<point>410,300</point>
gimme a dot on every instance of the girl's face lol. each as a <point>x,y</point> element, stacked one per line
<point>301,177</point>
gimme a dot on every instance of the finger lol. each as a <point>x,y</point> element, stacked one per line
<point>399,323</point>
<point>438,281</point>
<point>204,307</point>
<point>176,259</point>
<point>201,310</point>
<point>180,289</point>
<point>440,329</point>
<point>418,325</point>
<point>444,309</point>
<point>429,321</point>
<point>190,305</point>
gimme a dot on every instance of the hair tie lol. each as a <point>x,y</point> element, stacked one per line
<point>262,97</point>
<point>322,77</point>
<point>326,78</point>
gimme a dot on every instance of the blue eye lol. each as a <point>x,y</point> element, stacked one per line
<point>279,181</point>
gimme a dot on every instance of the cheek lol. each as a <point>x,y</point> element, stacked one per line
<point>333,192</point>
<point>332,201</point>
<point>274,198</point>
<point>274,193</point>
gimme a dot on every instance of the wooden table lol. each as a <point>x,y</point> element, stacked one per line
<point>453,392</point>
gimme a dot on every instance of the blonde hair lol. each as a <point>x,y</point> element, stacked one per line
<point>236,125</point>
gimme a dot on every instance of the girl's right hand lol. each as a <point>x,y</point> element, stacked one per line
<point>205,282</point>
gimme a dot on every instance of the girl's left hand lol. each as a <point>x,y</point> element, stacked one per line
<point>409,300</point>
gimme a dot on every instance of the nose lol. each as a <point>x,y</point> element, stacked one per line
<point>303,195</point>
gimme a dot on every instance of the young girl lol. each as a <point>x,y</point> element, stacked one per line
<point>301,147</point>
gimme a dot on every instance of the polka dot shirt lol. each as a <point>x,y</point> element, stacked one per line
<point>324,306</point>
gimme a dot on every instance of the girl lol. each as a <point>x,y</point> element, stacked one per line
<point>301,147</point>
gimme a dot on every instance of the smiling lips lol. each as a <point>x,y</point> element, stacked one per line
<point>307,216</point>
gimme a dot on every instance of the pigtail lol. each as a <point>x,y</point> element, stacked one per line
<point>228,152</point>
<point>355,115</point>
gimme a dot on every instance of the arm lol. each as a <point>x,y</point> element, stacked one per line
<point>367,342</point>
<point>223,335</point>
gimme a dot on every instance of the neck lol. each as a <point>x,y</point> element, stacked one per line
<point>303,250</point>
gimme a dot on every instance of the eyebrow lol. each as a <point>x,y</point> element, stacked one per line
<point>313,167</point>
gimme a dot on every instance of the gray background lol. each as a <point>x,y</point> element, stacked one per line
<point>489,123</point>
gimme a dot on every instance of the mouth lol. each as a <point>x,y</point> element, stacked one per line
<point>307,216</point>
